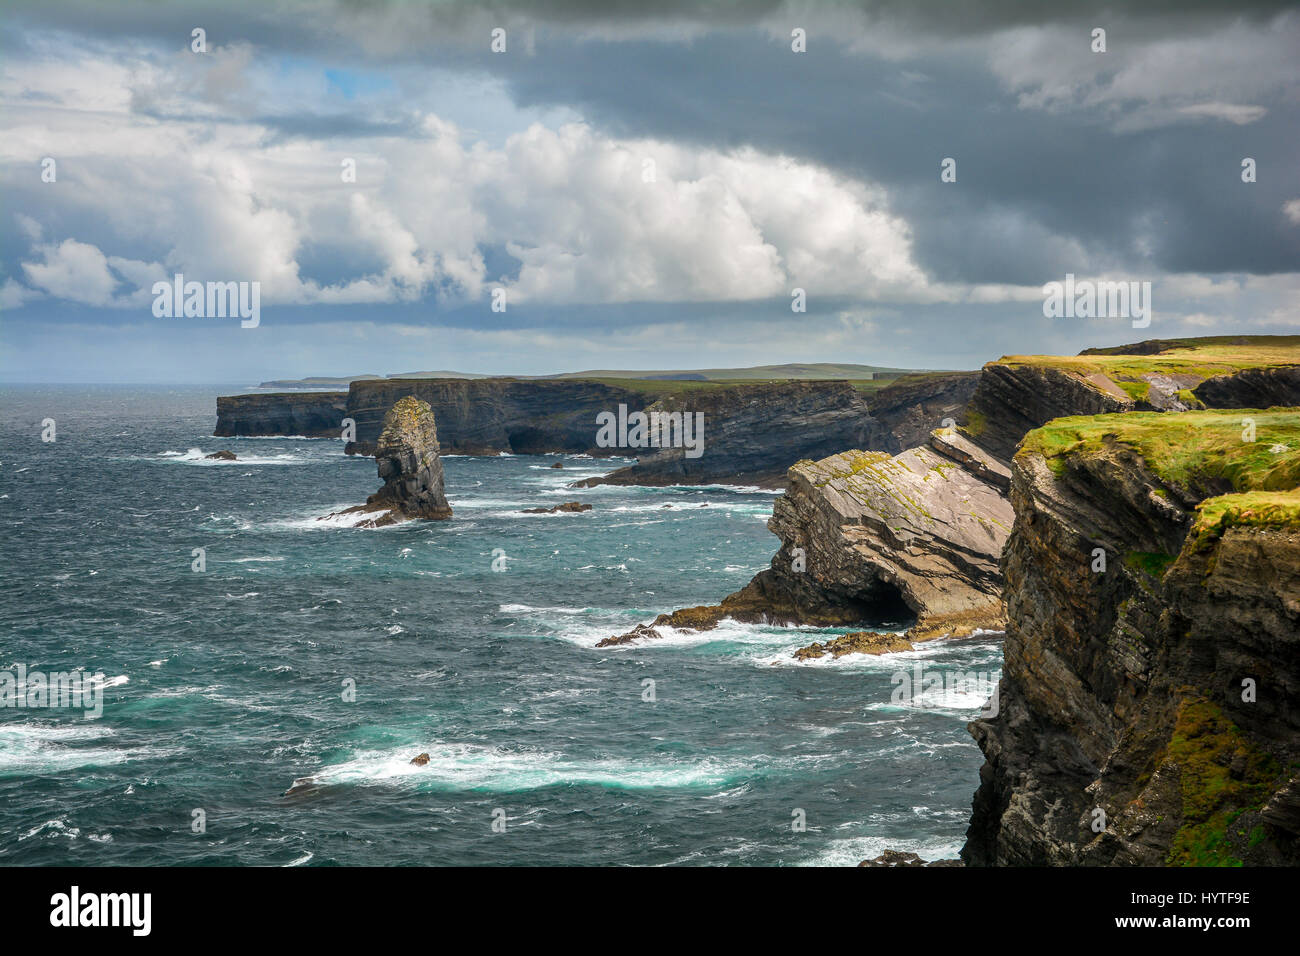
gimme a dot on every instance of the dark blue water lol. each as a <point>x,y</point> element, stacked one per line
<point>223,687</point>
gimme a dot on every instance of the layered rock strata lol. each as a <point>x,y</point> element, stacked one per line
<point>870,537</point>
<point>1150,698</point>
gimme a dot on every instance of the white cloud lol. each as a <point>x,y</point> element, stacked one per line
<point>73,270</point>
<point>222,202</point>
<point>1234,113</point>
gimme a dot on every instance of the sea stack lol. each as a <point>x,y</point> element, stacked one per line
<point>407,456</point>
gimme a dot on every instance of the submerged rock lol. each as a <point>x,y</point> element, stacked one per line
<point>568,506</point>
<point>903,858</point>
<point>407,459</point>
<point>859,642</point>
<point>223,455</point>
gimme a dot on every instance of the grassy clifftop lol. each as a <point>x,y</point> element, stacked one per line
<point>1182,364</point>
<point>1248,449</point>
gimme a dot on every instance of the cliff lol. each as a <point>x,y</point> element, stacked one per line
<point>312,414</point>
<point>752,433</point>
<point>407,458</point>
<point>1021,392</point>
<point>867,537</point>
<point>490,416</point>
<point>912,406</point>
<point>1148,709</point>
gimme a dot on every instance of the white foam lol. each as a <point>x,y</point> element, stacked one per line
<point>459,766</point>
<point>29,749</point>
<point>196,456</point>
<point>853,850</point>
<point>333,518</point>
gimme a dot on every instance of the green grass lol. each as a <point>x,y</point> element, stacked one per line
<point>1137,391</point>
<point>1205,745</point>
<point>1154,563</point>
<point>1199,452</point>
<point>1196,359</point>
<point>1206,342</point>
<point>1252,509</point>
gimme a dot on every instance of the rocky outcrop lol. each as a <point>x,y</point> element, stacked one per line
<point>310,414</point>
<point>567,507</point>
<point>871,538</point>
<point>1148,704</point>
<point>407,456</point>
<point>753,433</point>
<point>858,642</point>
<point>912,406</point>
<point>224,455</point>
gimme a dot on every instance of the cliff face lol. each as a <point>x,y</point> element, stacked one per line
<point>912,406</point>
<point>408,462</point>
<point>489,416</point>
<point>752,433</point>
<point>867,537</point>
<point>1252,388</point>
<point>1010,400</point>
<point>313,414</point>
<point>1125,734</point>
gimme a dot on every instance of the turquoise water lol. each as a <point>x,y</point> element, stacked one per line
<point>224,687</point>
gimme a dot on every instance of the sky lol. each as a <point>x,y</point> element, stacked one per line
<point>634,185</point>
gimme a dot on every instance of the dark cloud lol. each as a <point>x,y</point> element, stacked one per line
<point>1121,183</point>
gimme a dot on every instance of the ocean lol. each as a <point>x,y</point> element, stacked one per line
<point>314,652</point>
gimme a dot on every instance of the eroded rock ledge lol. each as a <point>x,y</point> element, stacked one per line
<point>1122,699</point>
<point>867,537</point>
<point>407,456</point>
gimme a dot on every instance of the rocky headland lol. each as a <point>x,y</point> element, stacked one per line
<point>752,430</point>
<point>917,536</point>
<point>310,414</point>
<point>1148,704</point>
<point>408,463</point>
<point>868,537</point>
